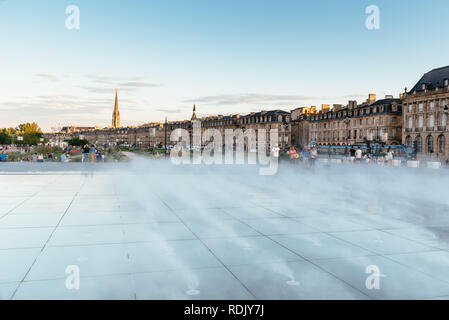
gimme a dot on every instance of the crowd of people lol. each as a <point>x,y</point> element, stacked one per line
<point>31,154</point>
<point>309,154</point>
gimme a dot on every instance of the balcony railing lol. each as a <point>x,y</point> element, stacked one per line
<point>441,128</point>
<point>430,128</point>
<point>418,129</point>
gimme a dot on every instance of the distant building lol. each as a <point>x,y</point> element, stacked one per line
<point>116,114</point>
<point>374,121</point>
<point>425,115</point>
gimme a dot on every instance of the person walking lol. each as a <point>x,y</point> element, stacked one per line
<point>40,157</point>
<point>64,157</point>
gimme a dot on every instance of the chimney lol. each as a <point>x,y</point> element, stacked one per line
<point>371,97</point>
<point>352,104</point>
<point>388,96</point>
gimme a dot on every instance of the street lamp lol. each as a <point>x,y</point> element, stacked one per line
<point>347,121</point>
<point>165,138</point>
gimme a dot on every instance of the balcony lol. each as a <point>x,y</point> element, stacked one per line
<point>418,129</point>
<point>408,129</point>
<point>441,128</point>
<point>430,128</point>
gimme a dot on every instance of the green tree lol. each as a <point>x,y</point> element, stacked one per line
<point>5,138</point>
<point>77,142</point>
<point>31,138</point>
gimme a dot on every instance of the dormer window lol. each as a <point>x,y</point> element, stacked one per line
<point>446,82</point>
<point>423,86</point>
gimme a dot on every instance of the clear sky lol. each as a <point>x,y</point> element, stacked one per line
<point>227,56</point>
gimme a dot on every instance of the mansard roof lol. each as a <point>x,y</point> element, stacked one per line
<point>432,79</point>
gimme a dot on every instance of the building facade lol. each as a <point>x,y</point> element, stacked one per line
<point>425,115</point>
<point>374,121</point>
<point>300,121</point>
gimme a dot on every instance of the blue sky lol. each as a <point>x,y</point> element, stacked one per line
<point>232,56</point>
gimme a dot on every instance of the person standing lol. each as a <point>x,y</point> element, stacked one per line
<point>85,157</point>
<point>40,157</point>
<point>305,155</point>
<point>313,156</point>
<point>92,152</point>
<point>275,151</point>
<point>352,154</point>
<point>358,155</point>
<point>390,154</point>
<point>3,156</point>
<point>64,157</point>
<point>292,153</point>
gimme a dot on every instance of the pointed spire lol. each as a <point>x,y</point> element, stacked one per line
<point>116,113</point>
<point>194,113</point>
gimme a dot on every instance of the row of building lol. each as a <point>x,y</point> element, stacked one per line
<point>416,118</point>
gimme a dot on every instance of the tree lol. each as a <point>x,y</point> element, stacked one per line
<point>28,128</point>
<point>5,138</point>
<point>77,142</point>
<point>31,138</point>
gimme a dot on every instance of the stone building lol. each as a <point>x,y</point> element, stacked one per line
<point>300,126</point>
<point>425,115</point>
<point>374,121</point>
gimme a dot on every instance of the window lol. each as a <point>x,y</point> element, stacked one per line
<point>410,122</point>
<point>393,133</point>
<point>418,144</point>
<point>420,107</point>
<point>443,120</point>
<point>441,143</point>
<point>432,105</point>
<point>410,108</point>
<point>394,120</point>
<point>420,122</point>
<point>431,120</point>
<point>429,144</point>
<point>409,141</point>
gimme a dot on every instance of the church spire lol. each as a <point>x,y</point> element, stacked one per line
<point>194,113</point>
<point>116,113</point>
